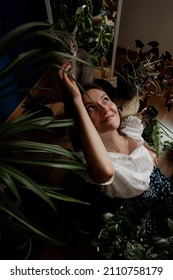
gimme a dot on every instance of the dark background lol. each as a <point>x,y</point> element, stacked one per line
<point>12,14</point>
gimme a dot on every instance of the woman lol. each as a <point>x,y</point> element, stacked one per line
<point>117,157</point>
<point>112,149</point>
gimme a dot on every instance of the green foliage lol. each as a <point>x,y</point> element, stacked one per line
<point>67,17</point>
<point>147,73</point>
<point>96,39</point>
<point>13,179</point>
<point>28,62</point>
<point>102,44</point>
<point>123,236</point>
<point>157,135</point>
<point>16,153</point>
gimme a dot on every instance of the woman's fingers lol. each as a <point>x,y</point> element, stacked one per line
<point>62,72</point>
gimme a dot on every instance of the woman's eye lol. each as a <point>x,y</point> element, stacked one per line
<point>106,100</point>
<point>90,108</point>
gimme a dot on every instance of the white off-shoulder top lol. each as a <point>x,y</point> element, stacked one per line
<point>132,172</point>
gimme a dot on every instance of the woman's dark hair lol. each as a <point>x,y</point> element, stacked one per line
<point>101,84</point>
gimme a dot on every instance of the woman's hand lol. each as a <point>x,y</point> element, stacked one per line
<point>69,81</point>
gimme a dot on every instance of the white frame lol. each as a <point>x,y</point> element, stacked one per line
<point>49,12</point>
<point>116,32</point>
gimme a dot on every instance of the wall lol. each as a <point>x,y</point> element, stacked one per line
<point>149,20</point>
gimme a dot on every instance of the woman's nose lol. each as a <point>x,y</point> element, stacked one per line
<point>104,109</point>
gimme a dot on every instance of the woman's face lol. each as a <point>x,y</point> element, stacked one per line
<point>102,111</point>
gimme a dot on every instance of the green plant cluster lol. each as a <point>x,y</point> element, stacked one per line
<point>13,179</point>
<point>148,73</point>
<point>17,154</point>
<point>156,134</point>
<point>95,39</point>
<point>123,236</point>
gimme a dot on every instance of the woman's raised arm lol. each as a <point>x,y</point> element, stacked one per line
<point>99,163</point>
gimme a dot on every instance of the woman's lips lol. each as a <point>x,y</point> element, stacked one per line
<point>107,118</point>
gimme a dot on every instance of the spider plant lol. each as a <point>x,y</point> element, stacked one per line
<point>13,180</point>
<point>15,153</point>
<point>28,60</point>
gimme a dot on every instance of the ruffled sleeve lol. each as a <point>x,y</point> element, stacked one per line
<point>133,127</point>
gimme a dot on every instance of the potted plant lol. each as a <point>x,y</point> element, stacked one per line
<point>78,16</point>
<point>146,74</point>
<point>16,151</point>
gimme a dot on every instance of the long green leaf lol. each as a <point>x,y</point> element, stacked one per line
<point>22,77</point>
<point>31,146</point>
<point>55,163</point>
<point>26,59</point>
<point>22,178</point>
<point>9,130</point>
<point>44,124</point>
<point>44,121</point>
<point>32,56</point>
<point>11,38</point>
<point>9,208</point>
<point>54,192</point>
<point>62,197</point>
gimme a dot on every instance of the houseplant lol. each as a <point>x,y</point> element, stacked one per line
<point>15,181</point>
<point>123,236</point>
<point>78,16</point>
<point>15,152</point>
<point>146,73</point>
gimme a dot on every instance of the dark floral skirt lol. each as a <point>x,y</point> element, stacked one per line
<point>159,199</point>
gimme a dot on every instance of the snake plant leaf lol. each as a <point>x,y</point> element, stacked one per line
<point>7,206</point>
<point>22,178</point>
